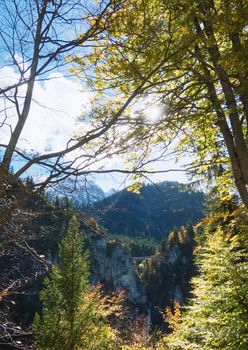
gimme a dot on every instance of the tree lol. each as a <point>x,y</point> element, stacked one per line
<point>73,316</point>
<point>57,202</point>
<point>217,315</point>
<point>195,55</point>
<point>173,316</point>
<point>36,40</point>
<point>68,203</point>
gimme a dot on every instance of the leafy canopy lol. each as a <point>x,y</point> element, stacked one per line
<point>189,57</point>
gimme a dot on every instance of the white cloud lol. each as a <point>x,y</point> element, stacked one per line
<point>7,76</point>
<point>53,125</point>
<point>57,104</point>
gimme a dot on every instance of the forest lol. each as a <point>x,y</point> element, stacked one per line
<point>124,175</point>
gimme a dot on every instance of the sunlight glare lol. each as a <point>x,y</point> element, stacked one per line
<point>153,112</point>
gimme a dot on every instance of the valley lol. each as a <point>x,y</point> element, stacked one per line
<point>118,261</point>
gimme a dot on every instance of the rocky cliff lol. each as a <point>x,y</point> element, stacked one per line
<point>24,263</point>
<point>28,253</point>
<point>167,277</point>
<point>113,266</point>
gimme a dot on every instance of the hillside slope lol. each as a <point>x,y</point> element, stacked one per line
<point>152,213</point>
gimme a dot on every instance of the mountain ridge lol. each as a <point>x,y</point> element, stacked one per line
<point>153,213</point>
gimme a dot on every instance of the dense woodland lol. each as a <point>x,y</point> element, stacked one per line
<point>152,213</point>
<point>153,266</point>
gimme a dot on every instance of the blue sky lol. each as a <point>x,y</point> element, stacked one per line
<point>54,117</point>
<point>57,104</point>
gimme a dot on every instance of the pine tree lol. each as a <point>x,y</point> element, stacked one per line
<point>72,317</point>
<point>57,202</point>
<point>68,203</point>
<point>173,316</point>
<point>30,182</point>
<point>217,316</point>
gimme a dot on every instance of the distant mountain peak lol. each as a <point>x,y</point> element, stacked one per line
<point>152,213</point>
<point>82,193</point>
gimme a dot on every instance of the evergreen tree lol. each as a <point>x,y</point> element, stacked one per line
<point>30,182</point>
<point>57,202</point>
<point>68,203</point>
<point>217,316</point>
<point>72,318</point>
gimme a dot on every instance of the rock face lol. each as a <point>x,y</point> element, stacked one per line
<point>25,264</point>
<point>168,279</point>
<point>113,266</point>
<point>177,268</point>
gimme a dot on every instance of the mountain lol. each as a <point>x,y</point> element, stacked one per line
<point>30,248</point>
<point>26,259</point>
<point>153,213</point>
<point>81,193</point>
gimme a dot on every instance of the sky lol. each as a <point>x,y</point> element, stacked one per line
<point>54,117</point>
<point>58,103</point>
